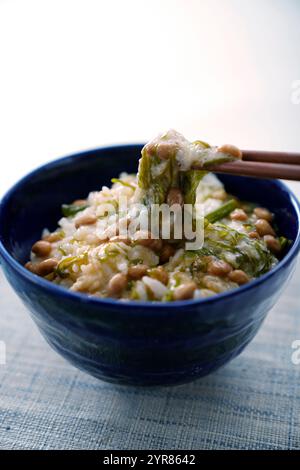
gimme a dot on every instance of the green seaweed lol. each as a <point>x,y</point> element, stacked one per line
<point>124,183</point>
<point>66,264</point>
<point>69,210</point>
<point>250,254</point>
<point>156,177</point>
<point>189,183</point>
<point>221,211</point>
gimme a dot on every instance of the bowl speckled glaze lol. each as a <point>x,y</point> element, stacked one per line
<point>135,342</point>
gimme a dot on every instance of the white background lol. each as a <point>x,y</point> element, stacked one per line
<point>76,74</point>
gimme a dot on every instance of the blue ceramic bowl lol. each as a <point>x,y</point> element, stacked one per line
<point>135,342</point>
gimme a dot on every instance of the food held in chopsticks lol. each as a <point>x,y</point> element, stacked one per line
<point>100,249</point>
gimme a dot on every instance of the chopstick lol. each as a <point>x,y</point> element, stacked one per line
<point>259,170</point>
<point>262,164</point>
<point>271,157</point>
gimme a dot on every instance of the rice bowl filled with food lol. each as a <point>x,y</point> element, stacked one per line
<point>146,265</point>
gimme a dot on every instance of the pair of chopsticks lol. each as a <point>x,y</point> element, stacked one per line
<point>262,164</point>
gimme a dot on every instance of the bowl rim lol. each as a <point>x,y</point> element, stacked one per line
<point>125,304</point>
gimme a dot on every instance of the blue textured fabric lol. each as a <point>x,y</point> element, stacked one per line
<point>252,403</point>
